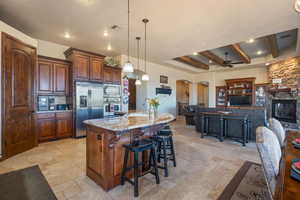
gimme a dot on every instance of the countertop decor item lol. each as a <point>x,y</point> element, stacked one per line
<point>111,61</point>
<point>153,107</point>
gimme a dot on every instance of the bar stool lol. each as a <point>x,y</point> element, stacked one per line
<point>143,145</point>
<point>164,140</point>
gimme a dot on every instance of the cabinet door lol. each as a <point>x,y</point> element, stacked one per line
<point>117,76</point>
<point>108,75</point>
<point>94,152</point>
<point>45,128</point>
<point>45,77</point>
<point>61,79</point>
<point>82,65</point>
<point>63,125</point>
<point>96,69</point>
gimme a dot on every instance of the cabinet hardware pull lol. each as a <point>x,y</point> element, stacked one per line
<point>99,137</point>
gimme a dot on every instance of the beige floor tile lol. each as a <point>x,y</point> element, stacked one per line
<point>204,167</point>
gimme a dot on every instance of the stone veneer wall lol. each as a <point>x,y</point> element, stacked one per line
<point>289,71</point>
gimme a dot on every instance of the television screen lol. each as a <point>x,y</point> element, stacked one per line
<point>240,100</point>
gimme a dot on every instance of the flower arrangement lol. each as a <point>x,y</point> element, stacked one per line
<point>153,107</point>
<point>154,103</point>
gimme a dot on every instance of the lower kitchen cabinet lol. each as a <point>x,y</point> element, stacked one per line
<point>63,125</point>
<point>51,126</point>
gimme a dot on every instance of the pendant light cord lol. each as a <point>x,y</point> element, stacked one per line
<point>145,47</point>
<point>128,34</point>
<point>138,52</point>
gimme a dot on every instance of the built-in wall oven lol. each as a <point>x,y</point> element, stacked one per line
<point>112,99</point>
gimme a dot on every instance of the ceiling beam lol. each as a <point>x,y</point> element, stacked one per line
<point>273,45</point>
<point>192,62</point>
<point>241,53</point>
<point>213,57</point>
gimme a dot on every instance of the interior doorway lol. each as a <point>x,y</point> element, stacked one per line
<point>182,95</point>
<point>132,95</point>
<point>202,92</point>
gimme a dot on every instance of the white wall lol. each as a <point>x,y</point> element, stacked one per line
<point>167,103</point>
<point>51,49</point>
<point>217,78</point>
<point>24,38</point>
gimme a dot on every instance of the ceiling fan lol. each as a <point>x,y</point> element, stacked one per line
<point>230,63</point>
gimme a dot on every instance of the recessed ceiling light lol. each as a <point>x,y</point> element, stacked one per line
<point>251,40</point>
<point>109,47</point>
<point>259,52</point>
<point>105,34</point>
<point>67,35</point>
<point>195,53</point>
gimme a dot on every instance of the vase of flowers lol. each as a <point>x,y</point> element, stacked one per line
<point>153,107</point>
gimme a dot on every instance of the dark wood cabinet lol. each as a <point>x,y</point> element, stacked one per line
<point>112,75</point>
<point>45,127</point>
<point>63,125</point>
<point>96,69</point>
<point>61,79</point>
<point>45,77</point>
<point>87,66</point>
<point>117,76</point>
<point>108,75</point>
<point>81,67</point>
<point>52,76</point>
<point>51,126</point>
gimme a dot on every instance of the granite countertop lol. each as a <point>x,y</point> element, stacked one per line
<point>52,111</point>
<point>130,121</point>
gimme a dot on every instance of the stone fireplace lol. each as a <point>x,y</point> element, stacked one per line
<point>283,102</point>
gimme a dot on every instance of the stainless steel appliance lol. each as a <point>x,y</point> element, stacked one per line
<point>43,103</point>
<point>112,99</point>
<point>89,104</point>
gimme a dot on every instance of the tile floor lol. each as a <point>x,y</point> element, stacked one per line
<point>204,168</point>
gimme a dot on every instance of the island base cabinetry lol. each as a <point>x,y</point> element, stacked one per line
<point>105,154</point>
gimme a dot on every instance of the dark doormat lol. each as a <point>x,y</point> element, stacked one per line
<point>25,184</point>
<point>248,184</point>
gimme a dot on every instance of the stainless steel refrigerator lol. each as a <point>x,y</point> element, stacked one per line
<point>89,104</point>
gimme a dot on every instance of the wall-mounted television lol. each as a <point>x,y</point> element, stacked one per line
<point>240,100</point>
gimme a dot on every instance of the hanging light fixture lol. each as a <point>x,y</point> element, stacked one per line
<point>297,5</point>
<point>137,81</point>
<point>145,76</point>
<point>128,67</point>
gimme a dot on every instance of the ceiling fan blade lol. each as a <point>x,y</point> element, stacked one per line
<point>236,63</point>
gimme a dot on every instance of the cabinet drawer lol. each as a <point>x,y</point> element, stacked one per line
<point>63,115</point>
<point>45,115</point>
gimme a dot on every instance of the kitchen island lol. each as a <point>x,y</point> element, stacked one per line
<point>105,139</point>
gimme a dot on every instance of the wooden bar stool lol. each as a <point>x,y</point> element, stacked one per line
<point>142,146</point>
<point>165,148</point>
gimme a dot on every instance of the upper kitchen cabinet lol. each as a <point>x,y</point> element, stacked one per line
<point>87,66</point>
<point>96,69</point>
<point>52,76</point>
<point>112,75</point>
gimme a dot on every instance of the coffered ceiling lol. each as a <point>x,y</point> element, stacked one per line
<point>176,28</point>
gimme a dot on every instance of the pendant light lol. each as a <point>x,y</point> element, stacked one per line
<point>297,5</point>
<point>145,76</point>
<point>137,81</point>
<point>128,67</point>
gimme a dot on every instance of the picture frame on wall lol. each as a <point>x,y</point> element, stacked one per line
<point>164,79</point>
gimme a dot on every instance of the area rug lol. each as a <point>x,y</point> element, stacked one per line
<point>25,184</point>
<point>247,184</point>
